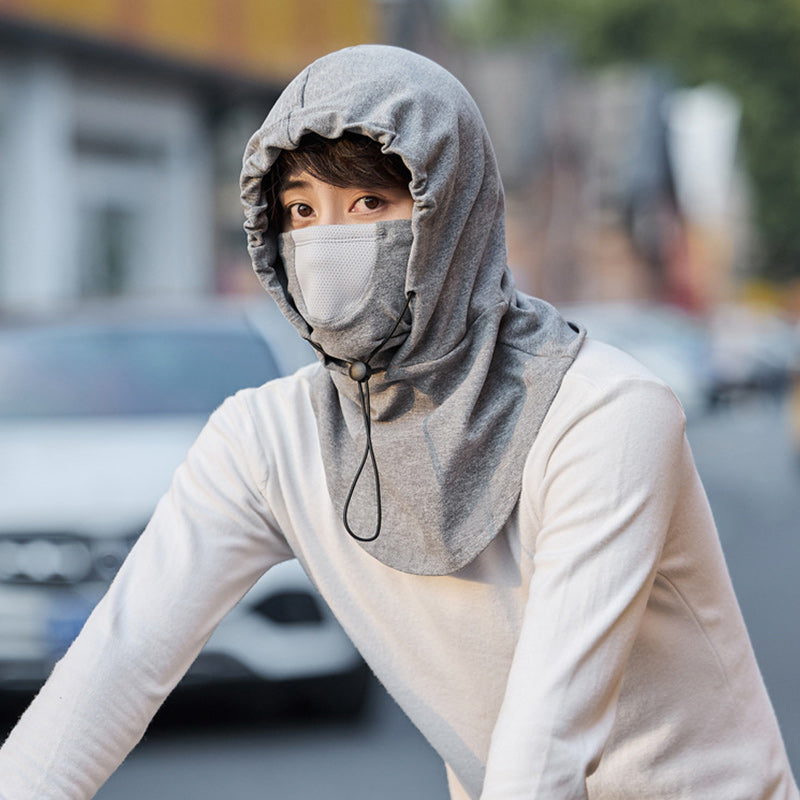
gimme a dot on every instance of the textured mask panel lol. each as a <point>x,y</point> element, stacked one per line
<point>333,265</point>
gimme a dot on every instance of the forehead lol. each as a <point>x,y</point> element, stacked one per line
<point>303,181</point>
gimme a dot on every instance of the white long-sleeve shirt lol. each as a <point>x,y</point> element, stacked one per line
<point>594,650</point>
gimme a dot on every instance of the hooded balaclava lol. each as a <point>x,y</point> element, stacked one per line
<point>466,367</point>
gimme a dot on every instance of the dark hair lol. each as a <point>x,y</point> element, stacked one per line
<point>351,160</point>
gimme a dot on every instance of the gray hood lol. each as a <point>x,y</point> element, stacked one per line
<point>464,392</point>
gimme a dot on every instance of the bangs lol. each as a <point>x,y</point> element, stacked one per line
<point>352,160</point>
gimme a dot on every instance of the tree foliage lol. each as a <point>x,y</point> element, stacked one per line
<point>750,46</point>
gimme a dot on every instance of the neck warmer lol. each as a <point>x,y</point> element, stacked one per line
<point>457,393</point>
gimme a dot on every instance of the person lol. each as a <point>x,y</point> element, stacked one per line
<point>502,512</point>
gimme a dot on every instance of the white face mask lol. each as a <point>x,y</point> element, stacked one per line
<point>333,265</point>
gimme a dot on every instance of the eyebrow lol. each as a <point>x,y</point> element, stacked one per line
<point>294,183</point>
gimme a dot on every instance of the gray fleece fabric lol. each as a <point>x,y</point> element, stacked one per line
<point>467,379</point>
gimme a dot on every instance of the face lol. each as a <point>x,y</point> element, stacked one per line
<point>307,201</point>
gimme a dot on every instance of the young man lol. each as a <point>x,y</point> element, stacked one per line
<point>503,514</point>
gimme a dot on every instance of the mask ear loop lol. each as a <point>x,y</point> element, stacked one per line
<point>361,372</point>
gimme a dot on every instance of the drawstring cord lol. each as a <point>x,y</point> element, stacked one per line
<point>369,452</point>
<point>361,372</point>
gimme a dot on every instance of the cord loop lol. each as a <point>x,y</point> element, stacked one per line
<point>361,372</point>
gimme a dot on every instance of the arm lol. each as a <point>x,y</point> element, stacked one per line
<point>209,540</point>
<point>602,495</point>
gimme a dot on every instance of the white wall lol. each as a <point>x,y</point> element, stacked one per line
<point>37,208</point>
<point>106,186</point>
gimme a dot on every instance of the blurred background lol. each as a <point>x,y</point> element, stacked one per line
<point>651,158</point>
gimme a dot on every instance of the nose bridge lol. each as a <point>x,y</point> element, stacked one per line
<point>332,207</point>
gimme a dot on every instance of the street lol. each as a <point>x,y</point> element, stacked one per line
<point>380,755</point>
<point>752,478</point>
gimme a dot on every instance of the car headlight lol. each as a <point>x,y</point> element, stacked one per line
<point>60,559</point>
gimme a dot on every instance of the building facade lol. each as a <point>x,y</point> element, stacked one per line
<point>121,130</point>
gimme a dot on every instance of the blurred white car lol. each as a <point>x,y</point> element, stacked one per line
<point>96,412</point>
<point>755,351</point>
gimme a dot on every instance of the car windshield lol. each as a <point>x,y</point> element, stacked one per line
<point>89,371</point>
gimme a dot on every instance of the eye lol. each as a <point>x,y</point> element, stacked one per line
<point>300,210</point>
<point>369,202</point>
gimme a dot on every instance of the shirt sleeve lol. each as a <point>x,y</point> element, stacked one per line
<point>210,538</point>
<point>602,494</point>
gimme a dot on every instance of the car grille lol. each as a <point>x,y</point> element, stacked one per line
<point>60,559</point>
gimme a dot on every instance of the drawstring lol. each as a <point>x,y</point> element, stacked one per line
<point>363,392</point>
<point>361,372</point>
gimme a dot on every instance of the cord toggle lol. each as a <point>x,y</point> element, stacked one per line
<point>359,371</point>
